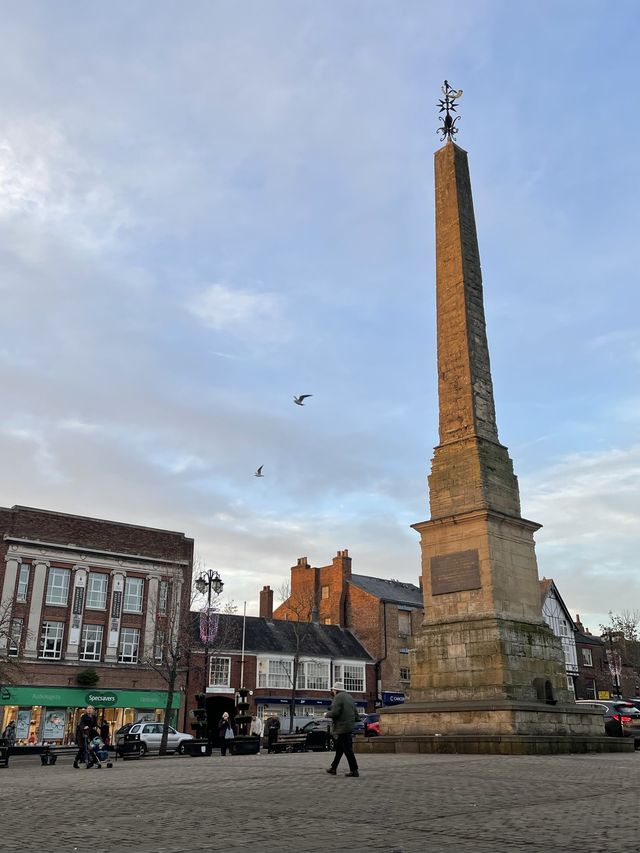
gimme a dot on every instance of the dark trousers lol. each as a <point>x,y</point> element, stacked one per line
<point>344,746</point>
<point>225,743</point>
<point>272,737</point>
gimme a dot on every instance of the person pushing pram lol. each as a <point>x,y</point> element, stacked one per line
<point>96,753</point>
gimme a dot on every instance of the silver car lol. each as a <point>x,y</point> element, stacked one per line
<point>151,735</point>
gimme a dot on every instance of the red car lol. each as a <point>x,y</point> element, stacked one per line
<point>372,725</point>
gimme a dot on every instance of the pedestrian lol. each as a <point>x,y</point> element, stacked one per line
<point>86,729</point>
<point>226,733</point>
<point>257,727</point>
<point>104,732</point>
<point>9,734</point>
<point>344,715</point>
<point>273,726</point>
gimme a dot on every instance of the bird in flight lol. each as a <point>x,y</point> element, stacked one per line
<point>298,400</point>
<point>259,472</point>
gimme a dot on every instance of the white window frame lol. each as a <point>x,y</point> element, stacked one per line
<point>158,647</point>
<point>91,646</point>
<point>58,587</point>
<point>587,657</point>
<point>15,637</point>
<point>275,673</point>
<point>219,672</point>
<point>325,592</point>
<point>22,590</point>
<point>353,676</point>
<point>316,674</point>
<point>51,633</point>
<point>101,580</point>
<point>129,645</point>
<point>136,600</point>
<point>407,673</point>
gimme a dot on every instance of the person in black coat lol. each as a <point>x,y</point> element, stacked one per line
<point>86,729</point>
<point>225,726</point>
<point>273,727</point>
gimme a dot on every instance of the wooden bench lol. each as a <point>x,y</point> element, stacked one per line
<point>290,743</point>
<point>49,754</point>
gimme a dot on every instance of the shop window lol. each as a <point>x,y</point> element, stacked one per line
<point>405,673</point>
<point>129,642</point>
<point>91,644</point>
<point>352,675</point>
<point>325,592</point>
<point>404,623</point>
<point>97,591</point>
<point>58,586</point>
<point>15,637</point>
<point>133,588</point>
<point>163,596</point>
<point>587,657</point>
<point>23,582</point>
<point>219,671</point>
<point>51,640</point>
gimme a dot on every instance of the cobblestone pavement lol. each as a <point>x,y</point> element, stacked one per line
<point>269,803</point>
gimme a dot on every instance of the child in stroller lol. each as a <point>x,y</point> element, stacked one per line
<point>96,753</point>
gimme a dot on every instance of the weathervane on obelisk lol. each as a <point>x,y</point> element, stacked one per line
<point>448,105</point>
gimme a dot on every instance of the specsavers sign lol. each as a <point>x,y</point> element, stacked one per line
<point>102,699</point>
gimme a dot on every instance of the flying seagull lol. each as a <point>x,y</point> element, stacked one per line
<point>298,400</point>
<point>259,472</point>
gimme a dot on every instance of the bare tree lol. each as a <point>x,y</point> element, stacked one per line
<point>13,635</point>
<point>300,610</point>
<point>623,634</point>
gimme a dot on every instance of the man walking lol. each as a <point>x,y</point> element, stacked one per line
<point>273,726</point>
<point>344,715</point>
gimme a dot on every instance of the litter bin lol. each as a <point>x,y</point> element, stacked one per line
<point>128,746</point>
<point>197,748</point>
<point>5,749</point>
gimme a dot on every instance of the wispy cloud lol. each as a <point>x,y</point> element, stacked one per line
<point>231,309</point>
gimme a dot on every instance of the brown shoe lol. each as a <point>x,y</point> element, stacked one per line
<point>354,774</point>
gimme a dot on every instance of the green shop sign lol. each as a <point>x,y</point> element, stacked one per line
<point>102,699</point>
<point>75,697</point>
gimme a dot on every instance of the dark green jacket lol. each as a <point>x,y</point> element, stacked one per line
<point>343,712</point>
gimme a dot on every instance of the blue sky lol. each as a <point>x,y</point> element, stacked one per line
<point>207,208</point>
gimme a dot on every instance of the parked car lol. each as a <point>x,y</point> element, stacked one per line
<point>372,725</point>
<point>150,737</point>
<point>319,735</point>
<point>621,719</point>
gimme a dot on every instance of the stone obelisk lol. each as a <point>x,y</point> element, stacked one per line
<point>485,666</point>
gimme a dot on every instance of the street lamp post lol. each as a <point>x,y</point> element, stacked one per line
<point>210,582</point>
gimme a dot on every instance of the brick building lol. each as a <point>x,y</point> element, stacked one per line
<point>594,680</point>
<point>83,593</point>
<point>383,614</point>
<point>325,653</point>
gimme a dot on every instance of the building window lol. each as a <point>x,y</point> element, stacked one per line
<point>327,620</point>
<point>404,623</point>
<point>91,645</point>
<point>589,688</point>
<point>51,640</point>
<point>317,675</point>
<point>163,595</point>
<point>219,672</point>
<point>15,637</point>
<point>405,673</point>
<point>129,641</point>
<point>587,657</point>
<point>158,647</point>
<point>277,675</point>
<point>352,675</point>
<point>563,628</point>
<point>133,588</point>
<point>97,591</point>
<point>23,582</point>
<point>325,592</point>
<point>58,586</point>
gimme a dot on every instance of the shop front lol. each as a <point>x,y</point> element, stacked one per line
<point>51,714</point>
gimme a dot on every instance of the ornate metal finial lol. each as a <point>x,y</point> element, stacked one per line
<point>448,105</point>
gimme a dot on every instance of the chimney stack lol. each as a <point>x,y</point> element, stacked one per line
<point>266,603</point>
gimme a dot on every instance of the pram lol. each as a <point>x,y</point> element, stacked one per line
<point>97,753</point>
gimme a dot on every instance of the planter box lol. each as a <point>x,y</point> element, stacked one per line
<point>245,745</point>
<point>197,748</point>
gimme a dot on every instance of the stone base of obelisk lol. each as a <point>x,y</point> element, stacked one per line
<point>499,727</point>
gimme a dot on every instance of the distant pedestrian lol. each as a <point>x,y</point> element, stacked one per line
<point>273,727</point>
<point>257,727</point>
<point>9,734</point>
<point>86,729</point>
<point>104,731</point>
<point>226,733</point>
<point>344,715</point>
